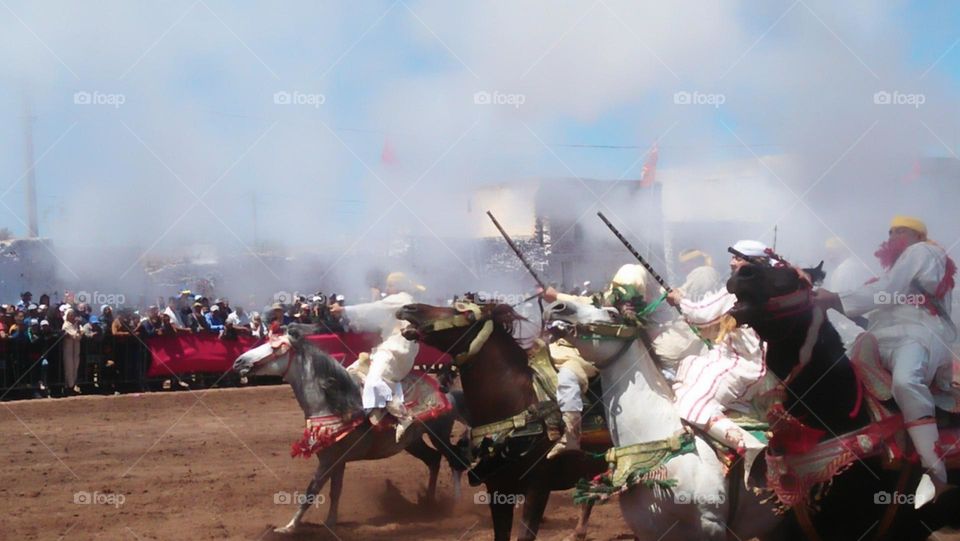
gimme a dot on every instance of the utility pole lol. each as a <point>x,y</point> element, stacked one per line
<point>32,230</point>
<point>253,202</point>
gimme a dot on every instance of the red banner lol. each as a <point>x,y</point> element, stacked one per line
<point>204,352</point>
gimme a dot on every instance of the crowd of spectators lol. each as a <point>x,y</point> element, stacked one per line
<point>66,348</point>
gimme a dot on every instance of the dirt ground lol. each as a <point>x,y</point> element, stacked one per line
<point>210,465</point>
<point>216,465</point>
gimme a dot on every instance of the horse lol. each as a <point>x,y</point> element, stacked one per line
<point>822,395</point>
<point>510,426</point>
<point>639,403</point>
<point>326,391</point>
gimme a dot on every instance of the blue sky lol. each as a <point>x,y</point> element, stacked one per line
<point>198,78</point>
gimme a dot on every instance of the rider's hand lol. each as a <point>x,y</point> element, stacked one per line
<point>827,299</point>
<point>674,297</point>
<point>549,295</point>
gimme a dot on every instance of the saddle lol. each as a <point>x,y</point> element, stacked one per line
<point>422,397</point>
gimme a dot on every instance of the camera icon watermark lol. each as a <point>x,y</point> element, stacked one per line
<point>896,97</point>
<point>296,498</point>
<point>688,498</point>
<point>283,97</point>
<point>484,97</point>
<point>497,498</point>
<point>83,97</point>
<point>98,498</point>
<point>886,498</point>
<point>686,97</point>
<point>98,298</point>
<point>283,297</point>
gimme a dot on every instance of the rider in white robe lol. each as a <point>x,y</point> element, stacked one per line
<point>393,358</point>
<point>708,383</point>
<point>914,331</point>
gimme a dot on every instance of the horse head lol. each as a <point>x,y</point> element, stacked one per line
<point>319,381</point>
<point>599,334</point>
<point>766,295</point>
<point>273,357</point>
<point>459,330</point>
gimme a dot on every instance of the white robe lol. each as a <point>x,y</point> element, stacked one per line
<point>717,378</point>
<point>393,359</point>
<point>897,321</point>
<point>849,275</point>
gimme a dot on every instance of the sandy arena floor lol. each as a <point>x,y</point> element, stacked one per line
<point>210,465</point>
<point>207,465</point>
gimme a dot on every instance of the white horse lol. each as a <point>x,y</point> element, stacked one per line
<point>640,409</point>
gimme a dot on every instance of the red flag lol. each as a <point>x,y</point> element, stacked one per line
<point>387,155</point>
<point>649,173</point>
<point>914,174</point>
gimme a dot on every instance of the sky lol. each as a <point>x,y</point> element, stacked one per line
<point>157,125</point>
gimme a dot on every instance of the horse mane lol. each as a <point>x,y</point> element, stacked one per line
<point>508,319</point>
<point>340,390</point>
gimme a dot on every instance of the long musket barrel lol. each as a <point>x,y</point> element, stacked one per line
<point>517,251</point>
<point>654,273</point>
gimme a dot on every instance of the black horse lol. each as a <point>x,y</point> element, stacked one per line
<point>823,395</point>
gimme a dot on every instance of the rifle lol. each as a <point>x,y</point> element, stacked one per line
<point>656,276</point>
<point>517,251</point>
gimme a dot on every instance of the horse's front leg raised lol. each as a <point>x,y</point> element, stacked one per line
<point>316,485</point>
<point>534,504</point>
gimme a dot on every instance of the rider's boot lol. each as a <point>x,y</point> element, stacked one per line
<point>746,444</point>
<point>396,408</point>
<point>925,435</point>
<point>570,441</point>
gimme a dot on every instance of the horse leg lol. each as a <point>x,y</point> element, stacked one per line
<point>534,503</point>
<point>336,487</point>
<point>580,532</point>
<point>315,486</point>
<point>502,514</point>
<point>431,458</point>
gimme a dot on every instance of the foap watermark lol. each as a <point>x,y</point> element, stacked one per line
<point>99,298</point>
<point>687,498</point>
<point>894,298</point>
<point>84,97</point>
<point>485,97</point>
<point>886,498</point>
<point>284,297</point>
<point>497,498</point>
<point>500,297</point>
<point>685,97</point>
<point>899,98</point>
<point>312,99</point>
<point>98,498</point>
<point>287,498</point>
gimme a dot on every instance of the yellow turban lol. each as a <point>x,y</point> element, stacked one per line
<point>909,223</point>
<point>834,243</point>
<point>688,255</point>
<point>400,282</point>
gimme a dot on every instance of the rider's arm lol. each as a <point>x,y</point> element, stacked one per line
<point>377,315</point>
<point>709,309</point>
<point>914,262</point>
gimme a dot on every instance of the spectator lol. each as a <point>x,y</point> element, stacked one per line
<point>25,298</point>
<point>197,322</point>
<point>214,321</point>
<point>71,353</point>
<point>172,313</point>
<point>257,328</point>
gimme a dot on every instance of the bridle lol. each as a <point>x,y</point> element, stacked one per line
<point>277,342</point>
<point>790,305</point>
<point>467,315</point>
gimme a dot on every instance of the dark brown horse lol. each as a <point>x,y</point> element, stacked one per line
<point>498,385</point>
<point>823,395</point>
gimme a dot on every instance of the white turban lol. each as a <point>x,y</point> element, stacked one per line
<point>751,248</point>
